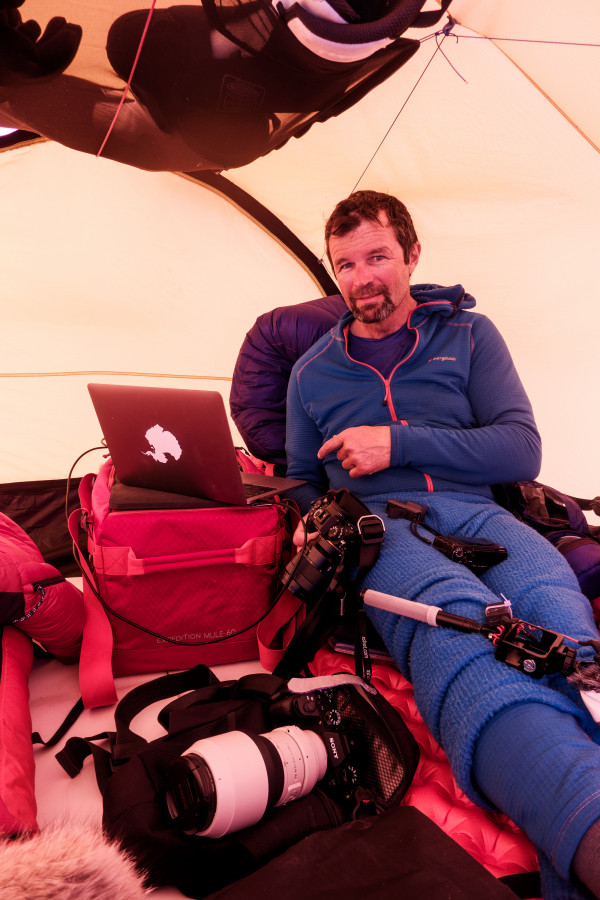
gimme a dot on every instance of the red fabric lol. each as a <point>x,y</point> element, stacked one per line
<point>491,838</point>
<point>52,611</point>
<point>199,576</point>
<point>17,773</point>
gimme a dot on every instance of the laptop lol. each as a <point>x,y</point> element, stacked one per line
<point>173,447</point>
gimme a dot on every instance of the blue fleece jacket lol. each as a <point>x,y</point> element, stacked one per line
<point>458,413</point>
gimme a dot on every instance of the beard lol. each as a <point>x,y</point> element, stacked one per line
<point>376,311</point>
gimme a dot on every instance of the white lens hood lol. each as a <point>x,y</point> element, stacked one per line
<point>241,781</point>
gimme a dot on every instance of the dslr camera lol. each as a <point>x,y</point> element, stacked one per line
<point>345,738</point>
<point>343,524</point>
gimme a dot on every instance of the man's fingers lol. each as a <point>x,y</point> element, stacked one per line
<point>334,443</point>
<point>298,538</point>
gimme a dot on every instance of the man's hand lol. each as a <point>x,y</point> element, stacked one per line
<point>362,450</point>
<point>298,538</point>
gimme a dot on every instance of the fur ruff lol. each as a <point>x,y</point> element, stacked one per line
<point>67,862</point>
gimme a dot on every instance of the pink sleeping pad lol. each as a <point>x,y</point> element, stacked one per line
<point>491,838</point>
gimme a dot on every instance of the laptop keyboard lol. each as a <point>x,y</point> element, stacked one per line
<point>253,490</point>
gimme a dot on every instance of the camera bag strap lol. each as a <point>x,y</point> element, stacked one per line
<point>190,689</point>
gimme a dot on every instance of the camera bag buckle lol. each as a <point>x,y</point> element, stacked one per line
<point>371,529</point>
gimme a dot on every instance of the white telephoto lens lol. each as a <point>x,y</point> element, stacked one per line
<point>241,781</point>
<point>304,760</point>
<point>238,779</point>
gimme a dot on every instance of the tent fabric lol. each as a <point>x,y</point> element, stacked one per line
<point>488,133</point>
<point>111,272</point>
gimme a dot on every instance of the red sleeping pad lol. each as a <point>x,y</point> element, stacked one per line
<point>491,838</point>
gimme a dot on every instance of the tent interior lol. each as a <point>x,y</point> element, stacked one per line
<point>117,273</point>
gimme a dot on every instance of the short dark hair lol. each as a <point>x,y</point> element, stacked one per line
<point>366,205</point>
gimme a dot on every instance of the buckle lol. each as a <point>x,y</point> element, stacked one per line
<point>371,522</point>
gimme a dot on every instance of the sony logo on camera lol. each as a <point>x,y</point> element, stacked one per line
<point>333,747</point>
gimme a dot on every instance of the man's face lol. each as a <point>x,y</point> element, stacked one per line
<point>373,277</point>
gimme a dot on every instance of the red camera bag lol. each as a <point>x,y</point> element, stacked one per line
<point>171,588</point>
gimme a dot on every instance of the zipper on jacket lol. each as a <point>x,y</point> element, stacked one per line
<point>387,382</point>
<point>387,396</point>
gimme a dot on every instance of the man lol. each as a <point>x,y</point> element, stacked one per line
<point>415,397</point>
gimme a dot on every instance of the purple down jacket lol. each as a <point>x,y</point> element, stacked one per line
<point>260,378</point>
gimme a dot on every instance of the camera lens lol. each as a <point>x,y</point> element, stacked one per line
<point>312,570</point>
<point>227,782</point>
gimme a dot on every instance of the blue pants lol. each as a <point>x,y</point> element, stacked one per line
<point>462,690</point>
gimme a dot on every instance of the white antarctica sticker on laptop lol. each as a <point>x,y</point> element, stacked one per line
<point>163,444</point>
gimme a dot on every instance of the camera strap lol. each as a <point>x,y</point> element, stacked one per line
<point>324,613</point>
<point>189,692</point>
<point>362,657</point>
<point>478,554</point>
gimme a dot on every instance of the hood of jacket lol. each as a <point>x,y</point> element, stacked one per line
<point>444,300</point>
<point>432,299</point>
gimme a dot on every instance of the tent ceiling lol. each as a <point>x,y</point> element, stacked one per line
<point>554,46</point>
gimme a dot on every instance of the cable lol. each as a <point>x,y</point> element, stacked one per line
<point>400,111</point>
<point>439,38</point>
<point>69,476</point>
<point>130,79</point>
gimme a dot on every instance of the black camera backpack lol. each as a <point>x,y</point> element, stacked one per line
<point>560,518</point>
<point>131,774</point>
